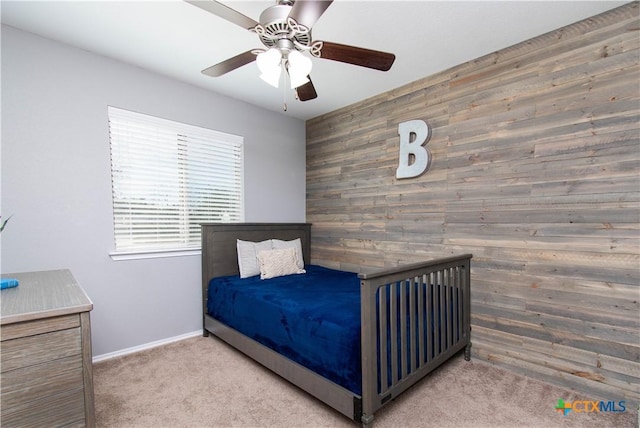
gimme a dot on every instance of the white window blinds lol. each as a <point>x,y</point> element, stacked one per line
<point>167,178</point>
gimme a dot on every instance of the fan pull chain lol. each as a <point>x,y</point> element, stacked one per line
<point>284,91</point>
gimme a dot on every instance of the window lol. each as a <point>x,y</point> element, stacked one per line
<point>167,178</point>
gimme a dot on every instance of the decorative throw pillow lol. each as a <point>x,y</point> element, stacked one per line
<point>275,263</point>
<point>296,244</point>
<point>248,256</point>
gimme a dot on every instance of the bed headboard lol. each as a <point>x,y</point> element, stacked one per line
<point>219,251</point>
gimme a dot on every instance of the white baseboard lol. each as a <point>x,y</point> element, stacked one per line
<point>150,345</point>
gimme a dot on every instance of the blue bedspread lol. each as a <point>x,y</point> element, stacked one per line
<point>312,319</point>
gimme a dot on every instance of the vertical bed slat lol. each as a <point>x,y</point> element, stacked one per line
<point>441,316</point>
<point>421,315</point>
<point>436,314</point>
<point>412,325</point>
<point>453,304</point>
<point>382,331</point>
<point>393,317</point>
<point>445,309</point>
<point>431,316</point>
<point>456,305</point>
<point>402,353</point>
<point>449,301</point>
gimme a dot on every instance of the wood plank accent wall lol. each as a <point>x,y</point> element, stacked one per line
<point>535,170</point>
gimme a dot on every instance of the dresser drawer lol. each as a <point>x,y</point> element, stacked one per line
<point>64,409</point>
<point>31,328</point>
<point>40,381</point>
<point>32,350</point>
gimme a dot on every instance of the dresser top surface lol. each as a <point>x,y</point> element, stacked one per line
<point>42,295</point>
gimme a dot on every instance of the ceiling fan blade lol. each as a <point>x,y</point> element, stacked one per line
<point>307,12</point>
<point>224,12</point>
<point>307,91</point>
<point>230,64</point>
<point>357,56</point>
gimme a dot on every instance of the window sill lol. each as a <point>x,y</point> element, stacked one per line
<point>139,255</point>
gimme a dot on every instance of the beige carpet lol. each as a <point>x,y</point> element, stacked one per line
<point>202,382</point>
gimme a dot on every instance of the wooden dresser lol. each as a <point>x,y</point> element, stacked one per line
<point>45,352</point>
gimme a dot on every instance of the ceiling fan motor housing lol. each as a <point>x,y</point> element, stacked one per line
<point>276,27</point>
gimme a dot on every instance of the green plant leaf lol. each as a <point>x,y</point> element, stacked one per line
<point>4,223</point>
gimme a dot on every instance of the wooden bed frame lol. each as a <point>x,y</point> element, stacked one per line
<point>219,258</point>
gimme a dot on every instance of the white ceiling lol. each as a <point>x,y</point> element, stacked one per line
<point>177,39</point>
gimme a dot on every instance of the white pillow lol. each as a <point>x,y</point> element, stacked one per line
<point>275,263</point>
<point>296,244</point>
<point>248,256</point>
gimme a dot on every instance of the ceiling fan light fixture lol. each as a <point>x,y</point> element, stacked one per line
<point>269,64</point>
<point>272,78</point>
<point>299,67</point>
<point>297,81</point>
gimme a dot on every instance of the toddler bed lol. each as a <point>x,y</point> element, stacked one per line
<point>354,341</point>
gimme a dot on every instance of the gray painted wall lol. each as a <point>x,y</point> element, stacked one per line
<point>56,180</point>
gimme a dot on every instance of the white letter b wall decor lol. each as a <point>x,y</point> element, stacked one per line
<point>414,159</point>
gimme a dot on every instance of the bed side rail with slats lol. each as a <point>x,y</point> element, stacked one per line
<point>414,318</point>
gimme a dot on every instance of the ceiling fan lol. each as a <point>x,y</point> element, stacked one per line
<point>285,31</point>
